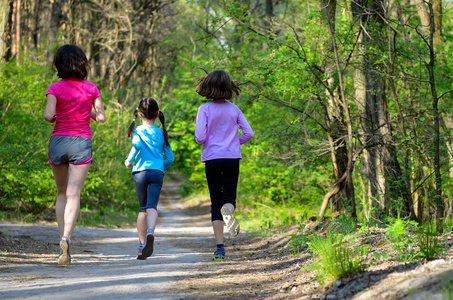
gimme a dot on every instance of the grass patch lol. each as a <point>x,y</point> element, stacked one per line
<point>336,258</point>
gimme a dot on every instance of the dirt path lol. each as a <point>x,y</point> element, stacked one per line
<point>258,265</point>
<point>104,265</point>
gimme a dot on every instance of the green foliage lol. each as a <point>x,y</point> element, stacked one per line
<point>258,216</point>
<point>403,242</point>
<point>428,239</point>
<point>406,235</point>
<point>336,257</point>
<point>24,182</point>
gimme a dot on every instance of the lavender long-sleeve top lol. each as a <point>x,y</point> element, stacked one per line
<point>217,129</point>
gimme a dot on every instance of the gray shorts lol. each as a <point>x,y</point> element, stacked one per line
<point>65,149</point>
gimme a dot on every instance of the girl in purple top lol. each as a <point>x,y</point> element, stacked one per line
<point>217,129</point>
<point>70,104</point>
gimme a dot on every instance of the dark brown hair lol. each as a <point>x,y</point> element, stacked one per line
<point>71,61</point>
<point>217,85</point>
<point>150,110</point>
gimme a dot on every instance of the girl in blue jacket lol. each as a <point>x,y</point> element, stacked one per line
<point>152,154</point>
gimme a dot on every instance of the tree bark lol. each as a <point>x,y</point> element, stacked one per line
<point>337,131</point>
<point>437,15</point>
<point>387,183</point>
<point>18,31</point>
<point>423,14</point>
<point>340,123</point>
<point>55,21</point>
<point>5,28</point>
<point>269,15</point>
<point>436,142</point>
<point>34,25</point>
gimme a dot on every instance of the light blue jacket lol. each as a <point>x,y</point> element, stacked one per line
<point>148,149</point>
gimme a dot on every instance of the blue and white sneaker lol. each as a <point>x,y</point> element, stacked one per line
<point>65,258</point>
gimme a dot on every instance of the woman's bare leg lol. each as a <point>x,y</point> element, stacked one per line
<point>60,174</point>
<point>69,188</point>
<point>77,176</point>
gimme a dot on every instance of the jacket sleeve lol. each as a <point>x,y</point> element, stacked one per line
<point>201,127</point>
<point>247,132</point>
<point>136,145</point>
<point>169,158</point>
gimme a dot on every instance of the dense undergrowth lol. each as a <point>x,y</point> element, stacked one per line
<point>342,248</point>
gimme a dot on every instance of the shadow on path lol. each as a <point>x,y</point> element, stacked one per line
<point>104,264</point>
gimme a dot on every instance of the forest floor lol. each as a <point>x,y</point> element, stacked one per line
<point>258,265</point>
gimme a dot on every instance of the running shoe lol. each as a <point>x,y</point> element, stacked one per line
<point>149,246</point>
<point>231,222</point>
<point>65,258</point>
<point>219,256</point>
<point>140,254</point>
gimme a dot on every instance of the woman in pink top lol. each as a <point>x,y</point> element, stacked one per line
<point>70,104</point>
<point>217,129</point>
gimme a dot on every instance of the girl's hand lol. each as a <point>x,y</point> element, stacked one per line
<point>127,164</point>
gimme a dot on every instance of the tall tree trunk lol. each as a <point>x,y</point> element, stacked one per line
<point>436,142</point>
<point>5,28</point>
<point>34,23</point>
<point>423,14</point>
<point>269,14</point>
<point>437,15</point>
<point>339,123</point>
<point>17,29</point>
<point>387,182</point>
<point>367,113</point>
<point>335,119</point>
<point>55,20</point>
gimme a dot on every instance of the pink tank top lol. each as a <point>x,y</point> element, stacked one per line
<point>75,98</point>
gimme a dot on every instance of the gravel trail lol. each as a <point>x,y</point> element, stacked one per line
<point>104,264</point>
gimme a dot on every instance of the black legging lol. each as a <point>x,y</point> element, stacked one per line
<point>222,176</point>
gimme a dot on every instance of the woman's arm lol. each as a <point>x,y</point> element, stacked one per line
<point>49,112</point>
<point>98,114</point>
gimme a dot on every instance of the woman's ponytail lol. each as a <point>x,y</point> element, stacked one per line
<point>162,121</point>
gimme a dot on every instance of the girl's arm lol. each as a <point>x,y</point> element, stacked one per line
<point>49,112</point>
<point>200,127</point>
<point>247,132</point>
<point>127,164</point>
<point>136,144</point>
<point>169,158</point>
<point>98,114</point>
